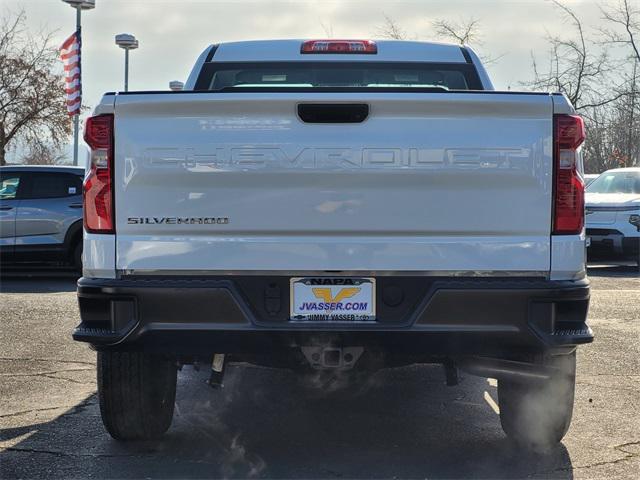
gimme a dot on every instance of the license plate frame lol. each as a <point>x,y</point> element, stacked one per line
<point>332,299</point>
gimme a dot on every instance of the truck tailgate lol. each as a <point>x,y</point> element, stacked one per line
<point>436,182</point>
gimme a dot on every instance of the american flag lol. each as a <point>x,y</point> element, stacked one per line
<point>70,56</point>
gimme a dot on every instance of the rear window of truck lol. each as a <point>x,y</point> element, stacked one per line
<point>337,76</point>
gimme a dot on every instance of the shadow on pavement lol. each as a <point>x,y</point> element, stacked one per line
<point>264,423</point>
<point>40,283</point>
<point>612,270</point>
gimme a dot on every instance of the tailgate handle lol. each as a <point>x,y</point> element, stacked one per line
<point>333,112</point>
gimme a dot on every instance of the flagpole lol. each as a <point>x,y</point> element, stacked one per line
<point>78,5</point>
<point>76,131</point>
<point>76,117</point>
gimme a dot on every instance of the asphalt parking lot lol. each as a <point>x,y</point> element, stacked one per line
<point>404,423</point>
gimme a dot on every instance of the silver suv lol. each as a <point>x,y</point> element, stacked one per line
<point>41,214</point>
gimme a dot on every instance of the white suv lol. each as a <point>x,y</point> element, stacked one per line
<point>613,212</point>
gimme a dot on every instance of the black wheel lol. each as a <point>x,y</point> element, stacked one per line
<point>77,256</point>
<point>137,392</point>
<point>538,414</point>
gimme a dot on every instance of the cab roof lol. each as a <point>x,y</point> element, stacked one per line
<point>388,50</point>
<point>289,50</point>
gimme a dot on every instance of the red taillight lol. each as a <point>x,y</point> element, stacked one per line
<point>97,191</point>
<point>339,46</point>
<point>568,215</point>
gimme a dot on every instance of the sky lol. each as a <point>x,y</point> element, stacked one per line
<point>172,33</point>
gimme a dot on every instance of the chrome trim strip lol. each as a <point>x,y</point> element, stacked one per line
<point>355,273</point>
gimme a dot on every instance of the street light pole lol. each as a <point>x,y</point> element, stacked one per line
<point>126,69</point>
<point>79,5</point>
<point>127,42</point>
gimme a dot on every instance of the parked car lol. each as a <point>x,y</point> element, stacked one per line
<point>41,214</point>
<point>307,204</point>
<point>613,213</point>
<point>590,177</point>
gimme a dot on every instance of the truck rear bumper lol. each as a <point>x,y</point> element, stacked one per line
<point>249,314</point>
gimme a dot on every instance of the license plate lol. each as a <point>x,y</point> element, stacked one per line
<point>326,299</point>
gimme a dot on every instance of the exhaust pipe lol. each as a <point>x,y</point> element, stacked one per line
<point>505,369</point>
<point>216,377</point>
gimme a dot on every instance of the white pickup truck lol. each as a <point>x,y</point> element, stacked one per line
<point>324,205</point>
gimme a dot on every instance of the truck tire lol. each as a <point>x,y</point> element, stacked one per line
<point>137,393</point>
<point>538,414</point>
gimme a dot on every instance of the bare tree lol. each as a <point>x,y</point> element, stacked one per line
<point>464,32</point>
<point>618,136</point>
<point>627,18</point>
<point>576,66</point>
<point>603,87</point>
<point>40,153</point>
<point>327,27</point>
<point>391,29</point>
<point>596,148</point>
<point>613,131</point>
<point>32,100</point>
<point>620,132</point>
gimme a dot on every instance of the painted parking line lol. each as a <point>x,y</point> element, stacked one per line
<point>492,403</point>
